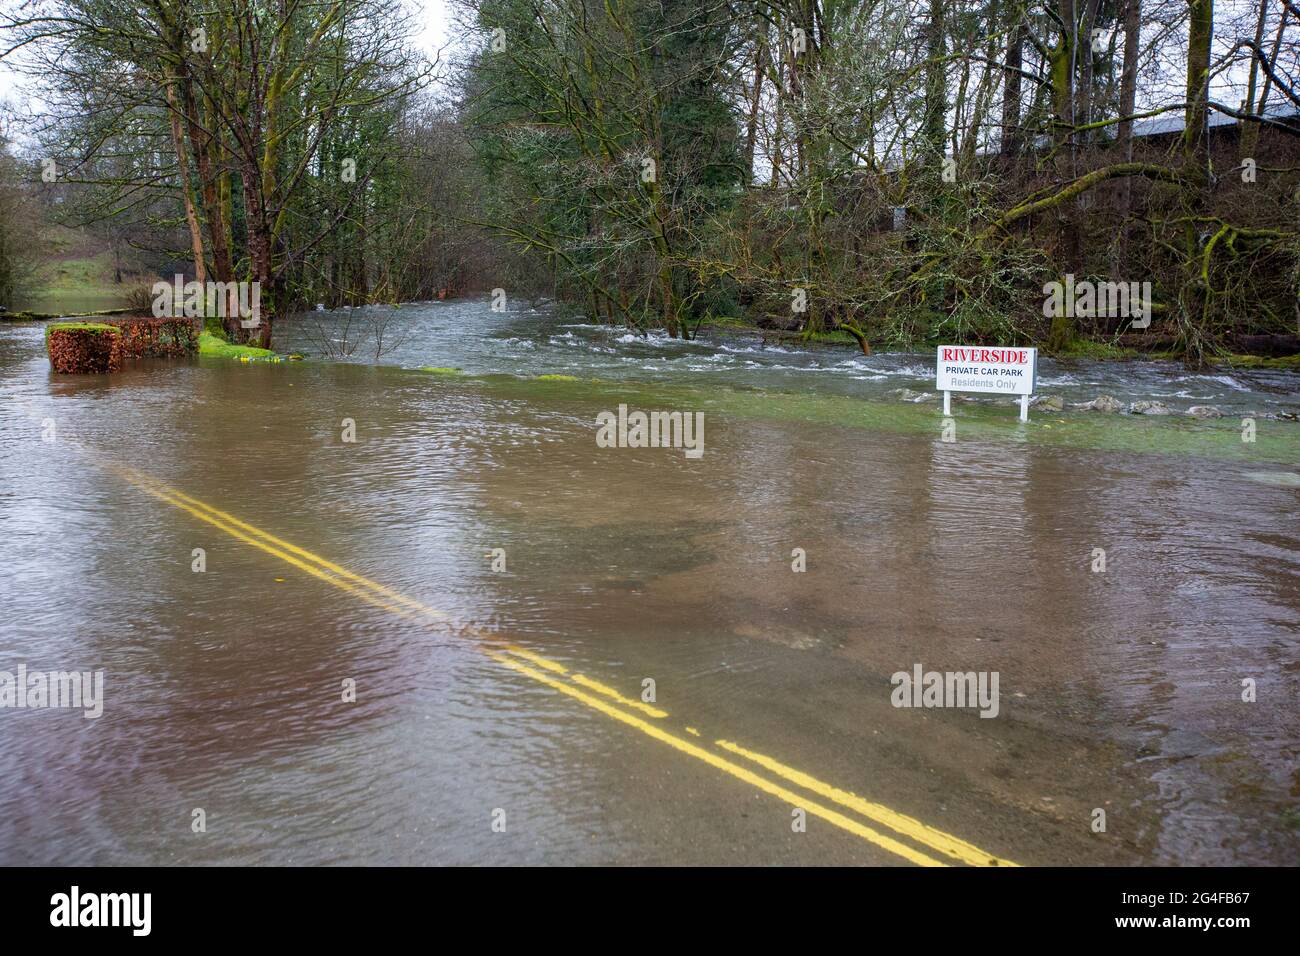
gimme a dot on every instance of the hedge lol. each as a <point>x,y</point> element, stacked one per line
<point>77,347</point>
<point>84,347</point>
<point>158,338</point>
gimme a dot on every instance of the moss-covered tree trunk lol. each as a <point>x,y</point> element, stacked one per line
<point>1196,295</point>
<point>1062,64</point>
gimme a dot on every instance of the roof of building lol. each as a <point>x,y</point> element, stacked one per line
<point>1173,122</point>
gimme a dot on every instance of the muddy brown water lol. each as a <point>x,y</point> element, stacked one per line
<point>1118,690</point>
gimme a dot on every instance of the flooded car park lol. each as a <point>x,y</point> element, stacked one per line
<point>473,634</point>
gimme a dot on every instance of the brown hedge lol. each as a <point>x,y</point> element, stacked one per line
<point>77,347</point>
<point>158,338</point>
<point>84,347</point>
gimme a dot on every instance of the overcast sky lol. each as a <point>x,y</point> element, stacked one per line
<point>437,23</point>
<point>434,14</point>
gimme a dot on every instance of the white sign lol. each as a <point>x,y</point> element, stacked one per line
<point>1000,370</point>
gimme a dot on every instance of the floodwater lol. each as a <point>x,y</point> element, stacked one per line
<point>1120,690</point>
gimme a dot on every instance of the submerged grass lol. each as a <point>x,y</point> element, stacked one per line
<point>1258,361</point>
<point>1275,442</point>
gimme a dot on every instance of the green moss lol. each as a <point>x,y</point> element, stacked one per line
<point>1083,348</point>
<point>833,335</point>
<point>210,344</point>
<point>437,370</point>
<point>556,378</point>
<point>1260,361</point>
<point>96,327</point>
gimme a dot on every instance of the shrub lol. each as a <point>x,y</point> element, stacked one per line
<point>139,298</point>
<point>168,337</point>
<point>76,347</point>
<point>83,347</point>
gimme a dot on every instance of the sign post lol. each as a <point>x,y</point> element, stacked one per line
<point>999,370</point>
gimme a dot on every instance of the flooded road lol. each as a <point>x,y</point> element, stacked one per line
<point>499,714</point>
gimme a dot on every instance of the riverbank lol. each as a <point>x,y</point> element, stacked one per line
<point>534,339</point>
<point>1079,348</point>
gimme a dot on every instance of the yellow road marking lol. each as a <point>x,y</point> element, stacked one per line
<point>908,826</point>
<point>537,659</point>
<point>726,766</point>
<point>608,691</point>
<point>313,571</point>
<point>377,595</point>
<point>146,482</point>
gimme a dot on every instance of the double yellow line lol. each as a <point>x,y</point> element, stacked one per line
<point>913,840</point>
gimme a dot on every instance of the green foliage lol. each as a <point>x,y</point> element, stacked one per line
<point>212,345</point>
<point>608,142</point>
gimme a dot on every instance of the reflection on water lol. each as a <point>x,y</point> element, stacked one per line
<point>1120,689</point>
